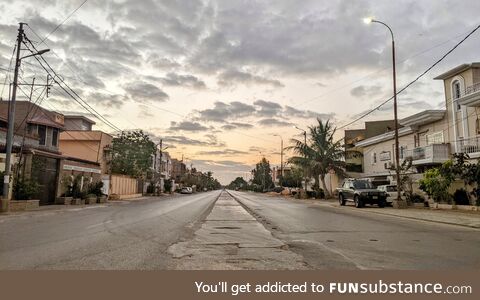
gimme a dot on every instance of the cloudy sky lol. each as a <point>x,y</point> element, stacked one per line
<point>217,79</point>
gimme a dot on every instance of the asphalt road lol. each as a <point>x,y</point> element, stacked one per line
<point>127,235</point>
<point>348,238</point>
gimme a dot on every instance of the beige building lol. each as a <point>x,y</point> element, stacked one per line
<point>431,136</point>
<point>462,98</point>
<point>421,137</point>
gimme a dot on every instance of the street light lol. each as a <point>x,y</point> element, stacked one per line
<point>400,203</point>
<point>11,119</point>
<point>281,154</point>
<point>304,154</point>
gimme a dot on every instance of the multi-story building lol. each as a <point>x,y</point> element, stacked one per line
<point>79,141</point>
<point>462,98</point>
<point>179,169</point>
<point>430,137</point>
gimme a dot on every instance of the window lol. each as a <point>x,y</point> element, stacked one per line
<point>435,138</point>
<point>55,137</point>
<point>374,158</point>
<point>456,92</point>
<point>42,134</point>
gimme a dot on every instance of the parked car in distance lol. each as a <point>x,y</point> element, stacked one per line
<point>390,190</point>
<point>360,192</point>
<point>186,190</point>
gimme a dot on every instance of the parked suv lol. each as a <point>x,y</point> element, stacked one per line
<point>361,192</point>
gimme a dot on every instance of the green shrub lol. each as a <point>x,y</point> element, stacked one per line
<point>96,188</point>
<point>25,189</point>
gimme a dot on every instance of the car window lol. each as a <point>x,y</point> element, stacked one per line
<point>362,184</point>
<point>391,188</point>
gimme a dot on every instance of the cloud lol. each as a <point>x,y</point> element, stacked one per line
<point>366,91</point>
<point>187,126</point>
<point>107,100</point>
<point>221,111</point>
<point>143,92</point>
<point>233,77</point>
<point>186,141</point>
<point>306,114</point>
<point>271,122</point>
<point>268,108</point>
<point>236,125</point>
<point>225,152</point>
<point>173,79</point>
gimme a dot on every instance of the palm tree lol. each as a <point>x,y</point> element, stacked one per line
<point>320,155</point>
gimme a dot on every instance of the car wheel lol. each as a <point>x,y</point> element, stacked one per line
<point>358,202</point>
<point>382,203</point>
<point>341,200</point>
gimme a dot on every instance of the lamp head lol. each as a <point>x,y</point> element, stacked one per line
<point>368,20</point>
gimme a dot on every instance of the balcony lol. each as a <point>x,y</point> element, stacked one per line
<point>470,146</point>
<point>471,97</point>
<point>429,155</point>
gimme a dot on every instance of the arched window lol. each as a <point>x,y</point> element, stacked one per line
<point>456,91</point>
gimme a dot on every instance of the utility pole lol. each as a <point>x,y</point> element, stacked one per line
<point>11,126</point>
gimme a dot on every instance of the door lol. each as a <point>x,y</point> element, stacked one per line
<point>45,173</point>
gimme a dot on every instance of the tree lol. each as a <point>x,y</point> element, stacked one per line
<point>133,152</point>
<point>292,179</point>
<point>238,183</point>
<point>261,175</point>
<point>320,154</point>
<point>436,185</point>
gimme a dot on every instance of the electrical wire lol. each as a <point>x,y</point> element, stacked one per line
<point>413,81</point>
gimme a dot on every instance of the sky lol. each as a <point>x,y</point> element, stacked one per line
<point>222,82</point>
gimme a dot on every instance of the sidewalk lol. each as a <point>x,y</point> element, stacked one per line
<point>452,217</point>
<point>232,239</point>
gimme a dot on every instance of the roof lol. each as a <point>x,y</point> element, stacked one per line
<point>458,69</point>
<point>384,137</point>
<point>42,118</point>
<point>67,117</point>
<point>424,117</point>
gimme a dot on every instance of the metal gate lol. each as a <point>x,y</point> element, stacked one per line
<point>45,173</point>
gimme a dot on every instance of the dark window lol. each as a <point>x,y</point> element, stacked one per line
<point>55,137</point>
<point>362,184</point>
<point>457,92</point>
<point>42,134</point>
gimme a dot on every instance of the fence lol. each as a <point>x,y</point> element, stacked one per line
<point>124,186</point>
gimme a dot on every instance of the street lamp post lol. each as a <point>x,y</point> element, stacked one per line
<point>304,154</point>
<point>11,118</point>
<point>281,154</point>
<point>399,203</point>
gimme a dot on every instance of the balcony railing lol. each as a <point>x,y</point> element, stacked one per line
<point>472,89</point>
<point>468,145</point>
<point>431,154</point>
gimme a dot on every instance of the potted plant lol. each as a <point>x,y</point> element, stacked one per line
<point>67,197</point>
<point>96,190</point>
<point>77,193</point>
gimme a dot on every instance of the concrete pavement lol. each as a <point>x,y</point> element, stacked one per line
<point>231,239</point>
<point>330,237</point>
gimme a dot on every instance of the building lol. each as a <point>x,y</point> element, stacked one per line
<point>421,137</point>
<point>354,154</point>
<point>179,169</point>
<point>79,141</point>
<point>36,152</point>
<point>430,137</point>
<point>462,99</point>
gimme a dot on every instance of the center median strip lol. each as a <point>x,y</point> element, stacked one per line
<point>231,238</point>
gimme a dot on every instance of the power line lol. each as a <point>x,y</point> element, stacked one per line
<point>61,23</point>
<point>70,91</point>
<point>413,81</point>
